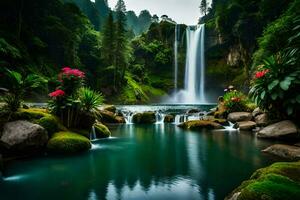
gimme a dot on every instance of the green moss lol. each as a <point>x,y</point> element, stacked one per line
<point>30,114</point>
<point>67,143</point>
<point>276,182</point>
<point>50,124</point>
<point>102,131</point>
<point>200,124</point>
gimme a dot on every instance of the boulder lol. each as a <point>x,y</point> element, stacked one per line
<point>110,117</point>
<point>144,118</point>
<point>262,119</point>
<point>110,108</point>
<point>257,111</point>
<point>239,116</point>
<point>280,129</point>
<point>245,125</point>
<point>221,111</point>
<point>200,124</point>
<point>23,135</point>
<point>278,181</point>
<point>68,143</point>
<point>169,119</point>
<point>284,151</point>
<point>101,131</point>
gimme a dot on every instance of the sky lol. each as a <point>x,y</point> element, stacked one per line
<point>181,11</point>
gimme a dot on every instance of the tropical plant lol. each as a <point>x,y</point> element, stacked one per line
<point>276,85</point>
<point>17,86</point>
<point>89,100</point>
<point>236,101</point>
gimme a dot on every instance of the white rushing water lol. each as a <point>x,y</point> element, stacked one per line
<point>194,81</point>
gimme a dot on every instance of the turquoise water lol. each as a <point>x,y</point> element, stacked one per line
<point>141,162</point>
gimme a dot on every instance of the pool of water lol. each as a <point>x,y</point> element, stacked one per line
<point>141,162</point>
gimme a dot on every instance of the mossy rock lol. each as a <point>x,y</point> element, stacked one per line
<point>144,118</point>
<point>276,182</point>
<point>200,124</point>
<point>68,143</point>
<point>110,117</point>
<point>169,119</point>
<point>102,131</point>
<point>42,117</point>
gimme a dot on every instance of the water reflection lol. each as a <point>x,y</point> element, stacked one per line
<point>142,162</point>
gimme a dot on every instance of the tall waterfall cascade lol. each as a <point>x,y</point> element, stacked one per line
<point>194,79</point>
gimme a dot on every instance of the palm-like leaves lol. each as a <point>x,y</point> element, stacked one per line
<point>89,100</point>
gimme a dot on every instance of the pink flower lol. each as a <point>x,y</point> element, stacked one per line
<point>261,74</point>
<point>72,72</point>
<point>57,93</point>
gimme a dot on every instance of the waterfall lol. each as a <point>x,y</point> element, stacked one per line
<point>93,134</point>
<point>195,64</point>
<point>177,38</point>
<point>194,80</point>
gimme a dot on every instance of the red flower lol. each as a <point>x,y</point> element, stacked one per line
<point>261,74</point>
<point>73,72</point>
<point>235,99</point>
<point>57,93</point>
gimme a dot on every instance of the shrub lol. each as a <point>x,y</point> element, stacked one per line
<point>236,101</point>
<point>276,85</point>
<point>89,99</point>
<point>67,143</point>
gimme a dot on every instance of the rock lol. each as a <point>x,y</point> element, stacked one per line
<point>280,129</point>
<point>110,108</point>
<point>86,120</point>
<point>245,125</point>
<point>193,111</point>
<point>257,111</point>
<point>144,118</point>
<point>67,143</point>
<point>110,117</point>
<point>1,165</point>
<point>262,119</point>
<point>221,111</point>
<point>278,181</point>
<point>169,119</point>
<point>23,136</point>
<point>101,131</point>
<point>239,116</point>
<point>200,124</point>
<point>284,151</point>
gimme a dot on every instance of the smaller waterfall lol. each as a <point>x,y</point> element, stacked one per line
<point>160,117</point>
<point>93,135</point>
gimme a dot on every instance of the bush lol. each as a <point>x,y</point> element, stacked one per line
<point>276,85</point>
<point>236,101</point>
<point>67,143</point>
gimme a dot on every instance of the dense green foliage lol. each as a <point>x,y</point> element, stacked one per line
<point>236,101</point>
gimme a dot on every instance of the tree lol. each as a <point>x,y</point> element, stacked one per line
<point>120,6</point>
<point>108,40</point>
<point>204,7</point>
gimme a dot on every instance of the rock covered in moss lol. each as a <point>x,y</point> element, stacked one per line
<point>278,130</point>
<point>169,119</point>
<point>200,124</point>
<point>144,118</point>
<point>67,143</point>
<point>23,136</point>
<point>284,151</point>
<point>108,117</point>
<point>277,182</point>
<point>239,116</point>
<point>101,131</point>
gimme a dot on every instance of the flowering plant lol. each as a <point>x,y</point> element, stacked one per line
<point>236,101</point>
<point>57,93</point>
<point>276,86</point>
